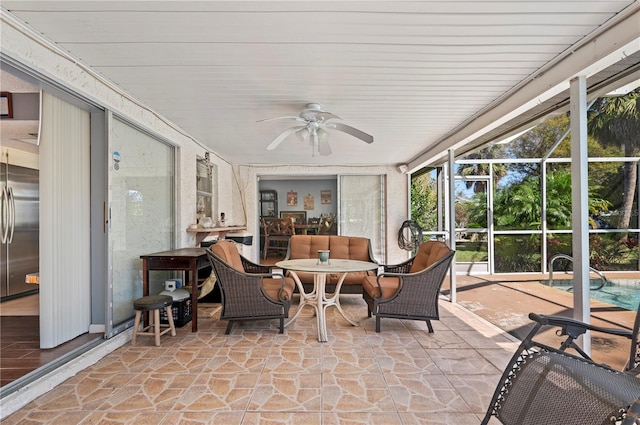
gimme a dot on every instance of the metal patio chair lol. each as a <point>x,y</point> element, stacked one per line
<point>572,329</point>
<point>543,385</point>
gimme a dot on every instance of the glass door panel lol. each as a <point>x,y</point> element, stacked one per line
<point>142,193</point>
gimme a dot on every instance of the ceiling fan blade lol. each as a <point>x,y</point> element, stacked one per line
<point>282,118</point>
<point>274,144</point>
<point>327,116</point>
<point>352,131</point>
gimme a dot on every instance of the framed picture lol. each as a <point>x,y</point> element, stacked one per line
<point>325,196</point>
<point>6,106</point>
<point>308,202</point>
<point>292,199</point>
<point>299,217</point>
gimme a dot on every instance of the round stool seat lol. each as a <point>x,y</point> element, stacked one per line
<point>152,302</point>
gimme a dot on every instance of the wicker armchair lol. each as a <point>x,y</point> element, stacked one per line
<point>543,385</point>
<point>409,290</point>
<point>248,291</point>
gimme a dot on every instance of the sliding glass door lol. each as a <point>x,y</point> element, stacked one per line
<point>142,210</point>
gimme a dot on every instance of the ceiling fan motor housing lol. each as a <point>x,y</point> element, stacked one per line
<point>311,112</point>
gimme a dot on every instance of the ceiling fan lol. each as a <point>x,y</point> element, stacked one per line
<point>312,125</point>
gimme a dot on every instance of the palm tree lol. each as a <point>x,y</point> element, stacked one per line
<point>616,121</point>
<point>469,170</point>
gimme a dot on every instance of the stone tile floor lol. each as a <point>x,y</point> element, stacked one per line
<point>403,375</point>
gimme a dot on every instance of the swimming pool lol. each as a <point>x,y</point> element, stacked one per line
<point>623,293</point>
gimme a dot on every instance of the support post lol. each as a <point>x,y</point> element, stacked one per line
<point>452,223</point>
<point>580,205</point>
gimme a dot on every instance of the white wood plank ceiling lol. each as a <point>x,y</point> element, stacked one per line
<point>413,74</point>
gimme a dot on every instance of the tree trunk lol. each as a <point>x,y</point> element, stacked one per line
<point>630,179</point>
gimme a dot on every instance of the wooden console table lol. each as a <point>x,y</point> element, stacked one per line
<point>221,232</point>
<point>189,260</point>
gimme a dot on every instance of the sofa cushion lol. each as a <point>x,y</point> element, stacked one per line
<point>428,253</point>
<point>340,247</point>
<point>349,248</point>
<point>307,246</point>
<point>352,278</point>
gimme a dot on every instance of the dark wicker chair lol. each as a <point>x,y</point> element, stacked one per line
<point>409,290</point>
<point>571,329</point>
<point>277,232</point>
<point>249,291</point>
<point>543,385</point>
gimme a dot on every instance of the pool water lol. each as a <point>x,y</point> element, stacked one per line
<point>622,294</point>
<point>625,296</point>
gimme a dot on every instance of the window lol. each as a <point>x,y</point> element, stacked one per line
<point>204,189</point>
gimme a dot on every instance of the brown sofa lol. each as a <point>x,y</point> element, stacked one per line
<point>341,247</point>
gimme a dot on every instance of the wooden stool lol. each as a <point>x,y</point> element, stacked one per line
<point>153,304</point>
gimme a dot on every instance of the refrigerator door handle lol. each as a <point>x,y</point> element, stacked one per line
<point>12,214</point>
<point>4,211</point>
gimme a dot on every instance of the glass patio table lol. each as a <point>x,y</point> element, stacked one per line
<point>317,298</point>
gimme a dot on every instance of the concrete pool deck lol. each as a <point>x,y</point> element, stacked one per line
<point>506,301</point>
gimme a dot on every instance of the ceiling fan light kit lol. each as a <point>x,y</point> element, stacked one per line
<point>312,125</point>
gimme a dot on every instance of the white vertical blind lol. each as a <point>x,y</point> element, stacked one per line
<point>362,210</point>
<point>65,271</point>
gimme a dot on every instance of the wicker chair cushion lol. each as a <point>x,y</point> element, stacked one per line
<point>389,286</point>
<point>428,253</point>
<point>272,288</point>
<point>229,253</point>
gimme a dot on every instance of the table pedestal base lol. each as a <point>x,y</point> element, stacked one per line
<point>319,300</point>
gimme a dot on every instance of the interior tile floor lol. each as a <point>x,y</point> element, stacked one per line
<point>20,352</point>
<point>403,375</point>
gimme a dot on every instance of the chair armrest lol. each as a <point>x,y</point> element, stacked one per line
<point>251,267</point>
<point>574,328</point>
<point>260,276</point>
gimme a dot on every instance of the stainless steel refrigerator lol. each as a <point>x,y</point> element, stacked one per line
<point>19,229</point>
